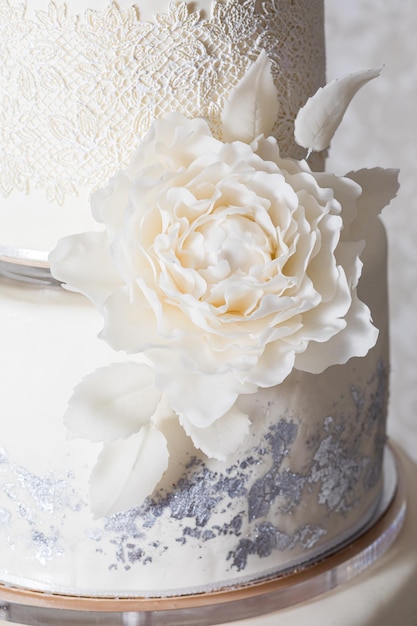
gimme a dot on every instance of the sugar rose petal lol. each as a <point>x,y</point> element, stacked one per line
<point>221,438</point>
<point>83,263</point>
<point>200,397</point>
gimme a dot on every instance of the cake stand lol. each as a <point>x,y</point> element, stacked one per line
<point>306,581</point>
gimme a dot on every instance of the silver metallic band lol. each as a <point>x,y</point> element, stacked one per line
<point>26,265</point>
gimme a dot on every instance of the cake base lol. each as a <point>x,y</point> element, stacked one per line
<point>231,604</point>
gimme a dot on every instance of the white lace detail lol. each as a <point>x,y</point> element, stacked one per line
<point>77,92</point>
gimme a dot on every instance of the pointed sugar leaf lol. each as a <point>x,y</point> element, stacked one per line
<point>252,107</point>
<point>318,120</point>
<point>128,471</point>
<point>113,402</point>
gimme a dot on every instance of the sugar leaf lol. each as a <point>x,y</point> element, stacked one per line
<point>113,402</point>
<point>318,120</point>
<point>127,471</point>
<point>252,106</point>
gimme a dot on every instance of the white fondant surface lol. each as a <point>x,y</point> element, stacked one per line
<point>147,8</point>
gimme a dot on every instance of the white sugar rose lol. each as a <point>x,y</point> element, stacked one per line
<point>225,264</point>
<point>221,268</point>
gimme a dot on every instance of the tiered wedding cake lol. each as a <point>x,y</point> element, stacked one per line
<point>233,418</point>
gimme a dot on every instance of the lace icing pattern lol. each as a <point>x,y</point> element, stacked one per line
<point>78,92</point>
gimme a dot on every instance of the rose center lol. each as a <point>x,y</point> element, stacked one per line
<point>236,242</point>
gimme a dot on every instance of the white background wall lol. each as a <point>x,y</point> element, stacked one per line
<point>380,129</point>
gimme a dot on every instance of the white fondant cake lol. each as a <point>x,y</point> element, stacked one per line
<point>244,433</point>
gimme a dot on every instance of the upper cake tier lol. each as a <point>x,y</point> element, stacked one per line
<point>81,83</point>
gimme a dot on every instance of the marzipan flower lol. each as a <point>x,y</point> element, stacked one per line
<point>225,267</point>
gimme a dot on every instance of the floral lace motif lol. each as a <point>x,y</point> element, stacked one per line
<point>78,92</point>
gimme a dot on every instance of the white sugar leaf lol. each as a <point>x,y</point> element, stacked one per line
<point>318,120</point>
<point>128,471</point>
<point>222,437</point>
<point>252,106</point>
<point>113,402</point>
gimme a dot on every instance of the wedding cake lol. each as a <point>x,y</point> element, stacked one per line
<point>231,414</point>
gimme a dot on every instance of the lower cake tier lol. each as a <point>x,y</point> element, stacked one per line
<point>307,478</point>
<point>370,582</point>
<point>382,595</point>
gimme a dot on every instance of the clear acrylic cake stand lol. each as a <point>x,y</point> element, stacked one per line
<point>303,583</point>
